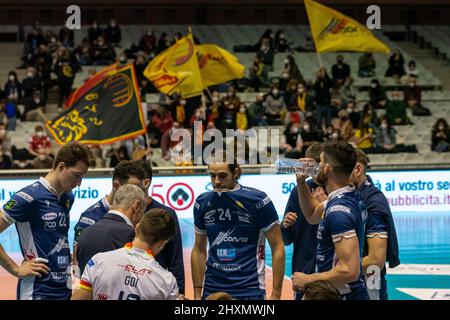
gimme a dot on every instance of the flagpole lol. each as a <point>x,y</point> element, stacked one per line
<point>320,59</point>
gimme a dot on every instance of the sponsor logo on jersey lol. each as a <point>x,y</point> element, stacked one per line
<point>59,275</point>
<point>90,263</point>
<point>209,217</point>
<point>263,203</point>
<point>132,269</point>
<point>10,204</point>
<point>339,208</point>
<point>226,254</point>
<point>101,296</point>
<point>49,216</point>
<point>239,204</point>
<point>197,205</point>
<point>227,267</point>
<point>87,220</point>
<point>321,257</point>
<point>62,261</point>
<point>243,216</point>
<point>226,237</point>
<point>62,244</point>
<point>25,196</point>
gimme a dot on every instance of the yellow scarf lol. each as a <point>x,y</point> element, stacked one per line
<point>301,102</point>
<point>241,121</point>
<point>180,114</point>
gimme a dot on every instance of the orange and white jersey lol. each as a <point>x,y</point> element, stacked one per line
<point>128,273</point>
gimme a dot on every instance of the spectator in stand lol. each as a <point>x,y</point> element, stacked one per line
<point>386,137</point>
<point>113,34</point>
<point>396,109</point>
<point>103,53</point>
<point>337,98</point>
<point>232,97</point>
<point>353,115</point>
<point>302,100</point>
<point>266,55</point>
<point>5,161</point>
<point>52,42</point>
<point>328,133</point>
<point>280,42</point>
<point>66,36</point>
<point>84,51</point>
<point>322,88</point>
<point>32,42</point>
<point>94,32</point>
<point>31,83</point>
<point>266,38</point>
<point>119,155</point>
<point>139,66</point>
<point>413,97</point>
<point>39,142</point>
<point>242,117</point>
<point>164,42</point>
<point>162,120</point>
<point>258,75</point>
<point>42,161</point>
<point>348,91</point>
<point>370,116</point>
<point>10,113</point>
<point>309,135</point>
<point>65,71</point>
<point>5,140</point>
<point>440,136</point>
<point>97,153</point>
<point>290,73</point>
<point>340,70</point>
<point>367,65</point>
<point>411,70</point>
<point>147,43</point>
<point>13,87</point>
<point>257,112</point>
<point>35,108</point>
<point>377,95</point>
<point>275,105</point>
<point>344,125</point>
<point>43,65</point>
<point>396,67</point>
<point>293,116</point>
<point>292,141</point>
<point>364,137</point>
<point>166,141</point>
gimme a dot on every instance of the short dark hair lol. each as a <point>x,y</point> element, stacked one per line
<point>73,152</point>
<point>126,169</point>
<point>341,156</point>
<point>314,151</point>
<point>321,290</point>
<point>221,155</point>
<point>156,225</point>
<point>146,166</point>
<point>362,158</point>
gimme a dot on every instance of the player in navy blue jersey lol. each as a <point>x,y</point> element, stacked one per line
<point>381,243</point>
<point>341,219</point>
<point>297,231</point>
<point>40,212</point>
<point>126,172</point>
<point>235,220</point>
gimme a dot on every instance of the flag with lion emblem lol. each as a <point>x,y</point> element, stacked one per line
<point>107,108</point>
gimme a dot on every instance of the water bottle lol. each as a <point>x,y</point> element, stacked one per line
<point>287,165</point>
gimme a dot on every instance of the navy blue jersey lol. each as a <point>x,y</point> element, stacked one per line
<point>92,214</point>
<point>380,223</point>
<point>171,257</point>
<point>344,217</point>
<point>42,222</point>
<point>303,235</point>
<point>235,223</point>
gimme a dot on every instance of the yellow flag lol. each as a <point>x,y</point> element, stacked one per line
<point>333,31</point>
<point>217,65</point>
<point>176,69</point>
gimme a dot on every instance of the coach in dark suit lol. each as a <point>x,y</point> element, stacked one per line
<point>117,226</point>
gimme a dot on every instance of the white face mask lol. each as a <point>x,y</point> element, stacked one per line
<point>197,115</point>
<point>441,127</point>
<point>306,127</point>
<point>335,135</point>
<point>286,61</point>
<point>411,85</point>
<point>183,102</point>
<point>40,134</point>
<point>301,90</point>
<point>230,94</point>
<point>275,92</point>
<point>37,101</point>
<point>30,75</point>
<point>42,157</point>
<point>12,78</point>
<point>349,110</point>
<point>373,85</point>
<point>242,110</point>
<point>22,164</point>
<point>384,126</point>
<point>215,99</point>
<point>2,132</point>
<point>294,130</point>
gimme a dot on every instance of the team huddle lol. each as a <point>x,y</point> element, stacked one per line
<point>128,245</point>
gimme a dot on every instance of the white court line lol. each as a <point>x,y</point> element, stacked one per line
<point>427,294</point>
<point>421,269</point>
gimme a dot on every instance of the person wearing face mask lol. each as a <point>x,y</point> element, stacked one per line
<point>35,108</point>
<point>42,161</point>
<point>94,32</point>
<point>5,161</point>
<point>367,65</point>
<point>396,67</point>
<point>377,94</point>
<point>411,71</point>
<point>340,70</point>
<point>39,140</point>
<point>31,83</point>
<point>385,139</point>
<point>103,53</point>
<point>302,100</point>
<point>344,125</point>
<point>413,97</point>
<point>65,71</point>
<point>66,37</point>
<point>353,115</point>
<point>5,139</point>
<point>147,43</point>
<point>10,114</point>
<point>396,109</point>
<point>440,136</point>
<point>364,136</point>
<point>13,87</point>
<point>293,144</point>
<point>241,117</point>
<point>322,88</point>
<point>309,135</point>
<point>290,72</point>
<point>113,33</point>
<point>257,112</point>
<point>266,55</point>
<point>275,106</point>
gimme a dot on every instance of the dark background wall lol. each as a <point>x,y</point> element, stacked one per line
<point>405,12</point>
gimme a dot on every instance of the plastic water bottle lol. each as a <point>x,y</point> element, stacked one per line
<point>287,165</point>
